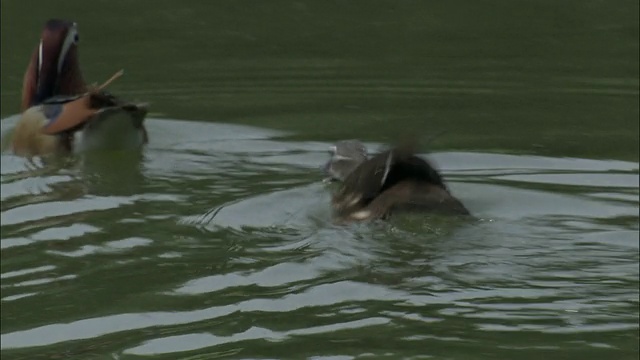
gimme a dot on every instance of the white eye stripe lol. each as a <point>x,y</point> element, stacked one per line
<point>69,40</point>
<point>387,168</point>
<point>39,58</point>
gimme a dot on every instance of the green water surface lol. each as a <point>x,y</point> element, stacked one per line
<point>217,242</point>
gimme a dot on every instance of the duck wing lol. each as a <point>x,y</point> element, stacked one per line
<point>386,169</point>
<point>66,113</point>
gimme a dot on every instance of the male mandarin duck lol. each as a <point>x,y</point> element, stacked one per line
<point>390,181</point>
<point>61,113</point>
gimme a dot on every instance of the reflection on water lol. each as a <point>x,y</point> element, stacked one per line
<point>222,243</point>
<point>217,240</point>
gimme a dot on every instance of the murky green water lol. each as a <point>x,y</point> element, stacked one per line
<point>218,241</point>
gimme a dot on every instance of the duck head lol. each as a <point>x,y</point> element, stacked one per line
<point>54,68</point>
<point>346,155</point>
<point>393,180</point>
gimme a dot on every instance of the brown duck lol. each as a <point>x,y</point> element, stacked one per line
<point>390,181</point>
<point>60,113</point>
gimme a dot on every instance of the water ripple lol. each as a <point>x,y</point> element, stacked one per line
<point>207,246</point>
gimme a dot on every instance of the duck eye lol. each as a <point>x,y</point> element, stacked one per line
<point>76,38</point>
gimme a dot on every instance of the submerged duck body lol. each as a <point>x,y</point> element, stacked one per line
<point>390,181</point>
<point>60,113</point>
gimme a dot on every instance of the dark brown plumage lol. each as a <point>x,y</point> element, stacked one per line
<point>391,181</point>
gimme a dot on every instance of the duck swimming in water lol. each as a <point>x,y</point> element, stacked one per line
<point>60,113</point>
<point>390,181</point>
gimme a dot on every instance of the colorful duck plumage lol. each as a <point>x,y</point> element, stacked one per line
<point>60,112</point>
